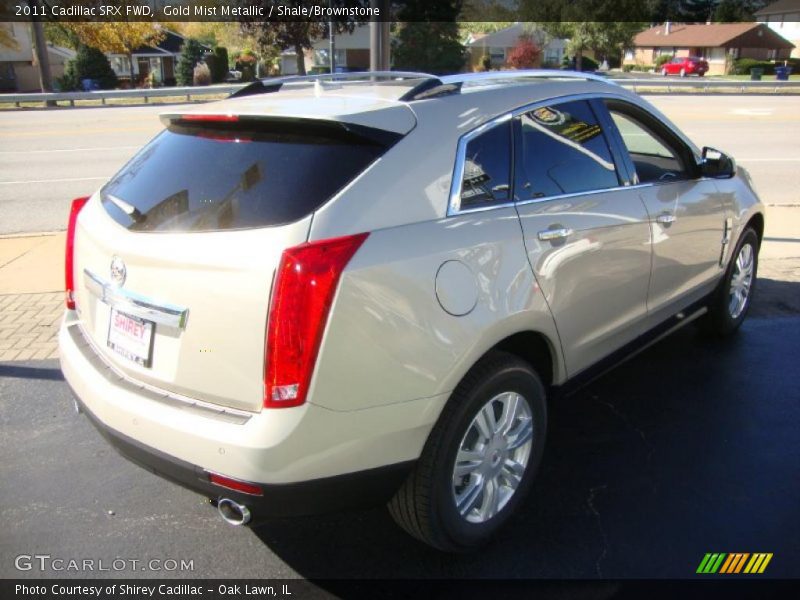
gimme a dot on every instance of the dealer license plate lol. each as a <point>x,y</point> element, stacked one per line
<point>131,337</point>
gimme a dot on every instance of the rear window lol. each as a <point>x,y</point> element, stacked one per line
<point>222,176</point>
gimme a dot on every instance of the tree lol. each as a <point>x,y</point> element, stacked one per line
<point>192,53</point>
<point>605,38</point>
<point>117,37</point>
<point>428,38</point>
<point>298,35</point>
<point>217,62</point>
<point>524,54</point>
<point>274,36</point>
<point>59,35</point>
<point>728,11</point>
<point>89,63</point>
<point>697,11</point>
<point>6,39</point>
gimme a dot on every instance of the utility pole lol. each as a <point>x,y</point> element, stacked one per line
<point>379,47</point>
<point>332,45</point>
<point>40,48</point>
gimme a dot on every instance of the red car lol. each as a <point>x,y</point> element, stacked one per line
<point>685,65</point>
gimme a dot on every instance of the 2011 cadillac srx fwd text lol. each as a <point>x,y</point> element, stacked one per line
<point>332,291</point>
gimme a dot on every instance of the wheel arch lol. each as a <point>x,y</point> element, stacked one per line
<point>534,348</point>
<point>757,223</point>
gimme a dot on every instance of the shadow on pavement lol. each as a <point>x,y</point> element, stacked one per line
<point>25,372</point>
<point>775,297</point>
<point>689,448</point>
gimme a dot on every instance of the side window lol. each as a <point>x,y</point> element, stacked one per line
<point>487,168</point>
<point>653,157</point>
<point>562,150</point>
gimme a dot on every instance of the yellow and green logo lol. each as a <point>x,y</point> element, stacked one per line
<point>737,562</point>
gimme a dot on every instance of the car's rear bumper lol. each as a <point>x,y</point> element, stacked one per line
<point>308,450</point>
<point>352,490</point>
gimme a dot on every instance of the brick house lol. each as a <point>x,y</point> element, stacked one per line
<point>719,43</point>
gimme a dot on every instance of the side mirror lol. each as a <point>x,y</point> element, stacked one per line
<point>716,164</point>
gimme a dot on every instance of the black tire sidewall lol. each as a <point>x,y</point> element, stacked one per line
<point>515,376</point>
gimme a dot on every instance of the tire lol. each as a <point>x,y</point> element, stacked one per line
<point>425,506</point>
<point>701,74</point>
<point>724,317</point>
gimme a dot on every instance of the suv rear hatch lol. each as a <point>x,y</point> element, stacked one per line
<point>175,256</point>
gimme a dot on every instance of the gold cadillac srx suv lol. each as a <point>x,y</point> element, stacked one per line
<point>337,290</point>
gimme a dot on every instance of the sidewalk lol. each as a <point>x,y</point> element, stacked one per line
<point>31,295</point>
<point>32,284</point>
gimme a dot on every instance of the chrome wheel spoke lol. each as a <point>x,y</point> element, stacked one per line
<point>509,415</point>
<point>485,422</point>
<point>469,498</point>
<point>490,500</point>
<point>513,472</point>
<point>522,436</point>
<point>467,462</point>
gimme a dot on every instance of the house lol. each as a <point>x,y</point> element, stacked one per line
<point>18,69</point>
<point>159,59</point>
<point>497,45</point>
<point>719,43</point>
<point>352,53</point>
<point>783,17</point>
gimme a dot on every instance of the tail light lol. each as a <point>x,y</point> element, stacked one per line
<point>304,287</point>
<point>69,262</point>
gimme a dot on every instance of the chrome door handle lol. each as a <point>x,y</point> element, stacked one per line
<point>548,235</point>
<point>666,218</point>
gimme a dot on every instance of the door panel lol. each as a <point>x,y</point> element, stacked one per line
<point>687,220</point>
<point>686,212</point>
<point>587,236</point>
<point>596,278</point>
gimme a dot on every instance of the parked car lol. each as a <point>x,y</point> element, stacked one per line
<point>311,296</point>
<point>685,65</point>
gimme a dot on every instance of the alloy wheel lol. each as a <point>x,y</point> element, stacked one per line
<point>741,281</point>
<point>492,457</point>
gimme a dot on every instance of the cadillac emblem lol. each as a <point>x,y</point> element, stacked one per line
<point>118,271</point>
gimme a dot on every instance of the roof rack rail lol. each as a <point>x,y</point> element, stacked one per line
<point>273,84</point>
<point>452,84</point>
<point>461,78</point>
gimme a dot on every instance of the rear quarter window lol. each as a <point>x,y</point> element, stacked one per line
<point>223,176</point>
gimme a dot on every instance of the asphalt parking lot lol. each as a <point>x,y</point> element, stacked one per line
<point>689,448</point>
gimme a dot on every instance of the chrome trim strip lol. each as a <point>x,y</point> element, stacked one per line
<point>117,377</point>
<point>454,205</point>
<point>136,304</point>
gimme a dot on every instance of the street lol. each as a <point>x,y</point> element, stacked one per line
<point>687,449</point>
<point>47,158</point>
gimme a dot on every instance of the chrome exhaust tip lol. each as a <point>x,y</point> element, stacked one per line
<point>232,512</point>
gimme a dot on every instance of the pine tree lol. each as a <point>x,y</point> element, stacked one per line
<point>191,53</point>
